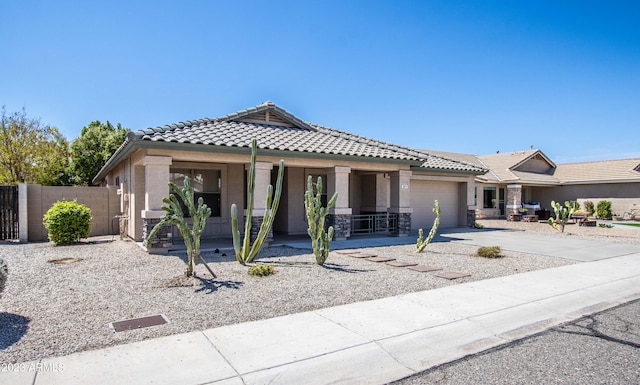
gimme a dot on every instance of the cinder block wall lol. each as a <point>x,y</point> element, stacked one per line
<point>103,202</point>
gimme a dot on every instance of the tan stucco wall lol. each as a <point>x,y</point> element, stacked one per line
<point>103,202</point>
<point>623,196</point>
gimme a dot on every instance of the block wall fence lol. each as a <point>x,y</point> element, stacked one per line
<point>35,201</point>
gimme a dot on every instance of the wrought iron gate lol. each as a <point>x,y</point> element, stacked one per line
<point>8,212</point>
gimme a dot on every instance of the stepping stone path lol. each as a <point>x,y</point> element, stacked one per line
<point>362,255</point>
<point>409,265</point>
<point>452,275</point>
<point>401,264</point>
<point>424,269</point>
<point>380,259</point>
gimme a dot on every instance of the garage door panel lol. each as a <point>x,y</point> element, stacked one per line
<point>423,193</point>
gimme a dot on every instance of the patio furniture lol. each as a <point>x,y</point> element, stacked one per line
<point>530,218</point>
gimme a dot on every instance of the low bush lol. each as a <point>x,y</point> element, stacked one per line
<point>489,252</point>
<point>3,274</point>
<point>603,210</point>
<point>67,222</point>
<point>261,270</point>
<point>478,225</point>
<point>590,207</point>
<point>605,225</point>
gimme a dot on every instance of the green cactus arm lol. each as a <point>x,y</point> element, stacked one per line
<point>235,232</point>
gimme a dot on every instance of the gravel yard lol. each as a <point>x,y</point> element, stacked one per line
<point>52,309</point>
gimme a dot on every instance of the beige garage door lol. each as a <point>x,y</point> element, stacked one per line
<point>423,193</point>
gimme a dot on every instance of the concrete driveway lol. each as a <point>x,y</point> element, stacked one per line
<point>553,245</point>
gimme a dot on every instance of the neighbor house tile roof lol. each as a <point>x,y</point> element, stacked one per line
<point>621,170</point>
<point>289,133</point>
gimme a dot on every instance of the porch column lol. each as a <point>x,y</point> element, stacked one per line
<point>401,200</point>
<point>156,181</point>
<point>339,215</point>
<point>262,182</point>
<point>514,198</point>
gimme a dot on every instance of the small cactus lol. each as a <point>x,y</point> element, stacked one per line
<point>562,214</point>
<point>320,239</point>
<point>422,243</point>
<point>246,252</point>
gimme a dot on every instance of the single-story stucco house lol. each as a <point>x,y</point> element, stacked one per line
<point>531,180</point>
<point>382,187</point>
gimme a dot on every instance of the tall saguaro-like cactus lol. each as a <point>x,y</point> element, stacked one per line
<point>246,252</point>
<point>421,243</point>
<point>175,216</point>
<point>320,239</point>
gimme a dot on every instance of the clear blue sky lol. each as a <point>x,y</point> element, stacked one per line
<point>462,76</point>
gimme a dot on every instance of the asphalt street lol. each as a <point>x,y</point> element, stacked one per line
<point>602,348</point>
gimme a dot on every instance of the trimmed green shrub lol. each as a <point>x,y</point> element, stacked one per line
<point>489,252</point>
<point>67,222</point>
<point>261,270</point>
<point>590,207</point>
<point>3,274</point>
<point>603,210</point>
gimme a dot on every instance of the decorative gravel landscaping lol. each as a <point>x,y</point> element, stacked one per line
<point>60,300</point>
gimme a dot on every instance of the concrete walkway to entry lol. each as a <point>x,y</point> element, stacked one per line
<point>370,342</point>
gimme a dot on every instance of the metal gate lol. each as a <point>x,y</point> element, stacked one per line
<point>8,212</point>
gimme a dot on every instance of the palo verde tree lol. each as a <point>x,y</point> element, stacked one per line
<point>320,239</point>
<point>246,252</point>
<point>174,215</point>
<point>31,152</point>
<point>93,148</point>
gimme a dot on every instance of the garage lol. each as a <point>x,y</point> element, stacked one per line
<point>423,193</point>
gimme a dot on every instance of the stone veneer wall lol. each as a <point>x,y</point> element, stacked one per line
<point>256,222</point>
<point>341,225</point>
<point>514,196</point>
<point>404,224</point>
<point>471,218</point>
<point>163,239</point>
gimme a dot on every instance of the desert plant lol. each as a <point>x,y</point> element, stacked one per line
<point>3,273</point>
<point>489,252</point>
<point>320,239</point>
<point>590,208</point>
<point>603,210</point>
<point>422,243</point>
<point>261,270</point>
<point>478,225</point>
<point>174,215</point>
<point>246,252</point>
<point>605,225</point>
<point>67,222</point>
<point>562,214</point>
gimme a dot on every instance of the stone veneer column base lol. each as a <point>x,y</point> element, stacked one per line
<point>404,225</point>
<point>163,240</point>
<point>256,222</point>
<point>471,218</point>
<point>341,225</point>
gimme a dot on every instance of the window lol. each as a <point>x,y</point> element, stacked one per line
<point>206,185</point>
<point>489,195</point>
<point>323,194</point>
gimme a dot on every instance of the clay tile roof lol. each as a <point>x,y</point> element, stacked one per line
<point>276,129</point>
<point>601,171</point>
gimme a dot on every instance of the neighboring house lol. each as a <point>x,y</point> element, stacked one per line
<point>381,187</point>
<point>531,180</point>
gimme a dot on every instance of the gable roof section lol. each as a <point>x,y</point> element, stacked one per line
<point>606,171</point>
<point>512,167</point>
<point>274,128</point>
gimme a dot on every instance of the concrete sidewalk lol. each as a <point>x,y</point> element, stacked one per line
<point>370,342</point>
